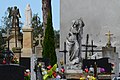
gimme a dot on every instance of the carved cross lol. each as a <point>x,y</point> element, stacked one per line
<point>39,39</point>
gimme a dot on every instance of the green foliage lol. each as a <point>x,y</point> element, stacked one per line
<point>48,43</point>
<point>37,26</point>
<point>7,24</point>
<point>27,78</point>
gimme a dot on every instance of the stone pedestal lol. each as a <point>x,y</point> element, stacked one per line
<point>72,76</point>
<point>109,52</point>
<point>27,42</point>
<point>12,38</point>
<point>73,73</point>
<point>38,51</point>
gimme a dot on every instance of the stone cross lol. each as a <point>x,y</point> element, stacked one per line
<point>109,39</point>
<point>39,39</point>
<point>28,15</point>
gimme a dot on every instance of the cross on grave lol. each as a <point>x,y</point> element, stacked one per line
<point>39,39</point>
<point>86,46</point>
<point>92,50</point>
<point>64,51</point>
<point>109,39</point>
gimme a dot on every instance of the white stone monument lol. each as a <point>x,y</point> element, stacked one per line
<point>28,16</point>
<point>73,44</point>
<point>27,33</point>
<point>27,50</point>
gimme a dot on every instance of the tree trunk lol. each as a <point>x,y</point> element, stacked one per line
<point>46,8</point>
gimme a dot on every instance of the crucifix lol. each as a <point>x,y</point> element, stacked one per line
<point>64,51</point>
<point>109,39</point>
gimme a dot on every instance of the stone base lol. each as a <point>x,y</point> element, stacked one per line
<point>26,52</point>
<point>73,74</point>
<point>73,71</point>
<point>39,51</point>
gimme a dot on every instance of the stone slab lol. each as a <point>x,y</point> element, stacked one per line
<point>73,71</point>
<point>72,76</point>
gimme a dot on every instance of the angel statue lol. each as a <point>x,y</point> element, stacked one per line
<point>73,41</point>
<point>14,14</point>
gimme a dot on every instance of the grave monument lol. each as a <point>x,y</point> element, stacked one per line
<point>14,36</point>
<point>27,49</point>
<point>73,44</point>
<point>27,34</point>
<point>100,16</point>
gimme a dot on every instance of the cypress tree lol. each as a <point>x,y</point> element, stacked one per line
<point>49,43</point>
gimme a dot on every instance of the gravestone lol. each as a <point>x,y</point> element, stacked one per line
<point>72,49</point>
<point>27,39</point>
<point>27,33</point>
<point>11,72</point>
<point>38,48</point>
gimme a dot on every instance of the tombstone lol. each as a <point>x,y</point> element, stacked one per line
<point>110,52</point>
<point>38,48</point>
<point>11,72</point>
<point>27,49</point>
<point>72,48</point>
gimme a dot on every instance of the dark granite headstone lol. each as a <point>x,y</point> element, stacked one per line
<point>25,62</point>
<point>11,72</point>
<point>103,63</point>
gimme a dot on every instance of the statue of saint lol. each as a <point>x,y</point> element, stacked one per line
<point>15,14</point>
<point>28,16</point>
<point>73,41</point>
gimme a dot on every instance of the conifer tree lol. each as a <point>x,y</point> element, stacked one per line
<point>49,43</point>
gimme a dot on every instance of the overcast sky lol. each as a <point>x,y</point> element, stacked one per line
<point>36,6</point>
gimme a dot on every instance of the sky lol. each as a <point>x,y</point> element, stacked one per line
<point>36,6</point>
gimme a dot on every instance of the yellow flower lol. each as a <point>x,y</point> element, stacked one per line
<point>82,78</point>
<point>92,78</point>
